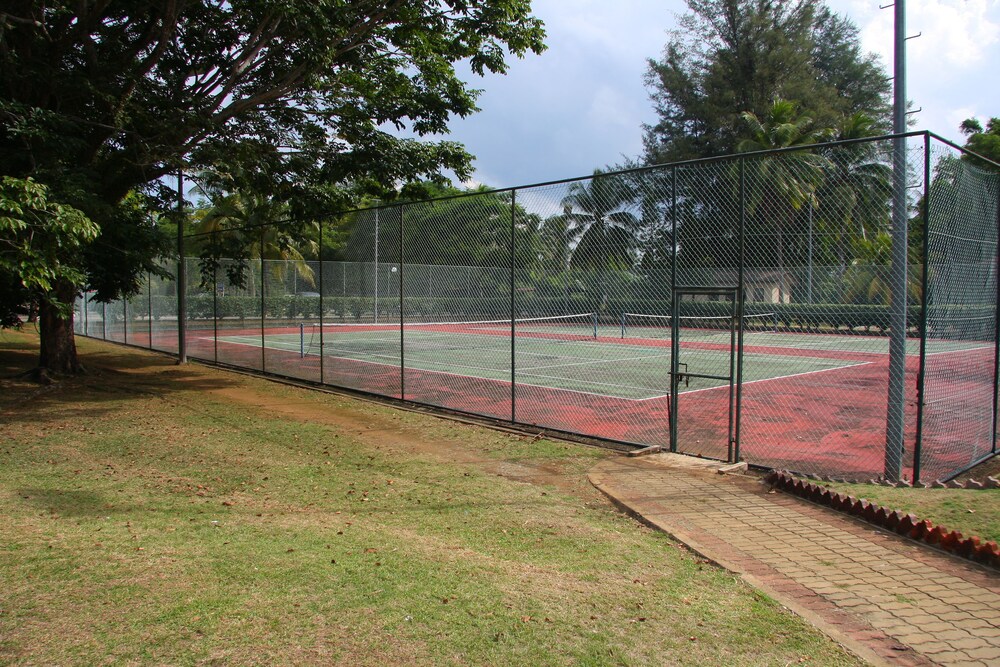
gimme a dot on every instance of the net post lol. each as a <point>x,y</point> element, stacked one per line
<point>623,325</point>
<point>302,340</point>
<point>594,317</point>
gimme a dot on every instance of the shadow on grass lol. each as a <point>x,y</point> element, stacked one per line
<point>112,375</point>
<point>66,503</point>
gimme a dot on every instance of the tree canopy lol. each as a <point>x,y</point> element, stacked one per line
<point>985,142</point>
<point>298,97</point>
<point>38,240</point>
<point>731,57</point>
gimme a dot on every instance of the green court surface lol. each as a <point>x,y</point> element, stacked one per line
<point>632,368</point>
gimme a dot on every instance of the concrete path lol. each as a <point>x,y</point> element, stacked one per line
<point>886,598</point>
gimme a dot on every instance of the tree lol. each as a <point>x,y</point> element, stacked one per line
<point>983,142</point>
<point>735,56</point>
<point>604,231</point>
<point>102,99</point>
<point>784,182</point>
<point>854,196</point>
<point>39,240</point>
<point>239,225</point>
<point>868,279</point>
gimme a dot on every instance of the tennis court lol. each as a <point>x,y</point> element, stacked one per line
<point>573,354</point>
<point>613,380</point>
<point>806,382</point>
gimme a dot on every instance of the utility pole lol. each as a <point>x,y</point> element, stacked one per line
<point>895,417</point>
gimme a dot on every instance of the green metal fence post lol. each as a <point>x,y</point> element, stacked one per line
<point>924,301</point>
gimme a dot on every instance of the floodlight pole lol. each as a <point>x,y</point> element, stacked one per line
<point>895,417</point>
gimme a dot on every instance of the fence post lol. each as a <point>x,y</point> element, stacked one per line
<point>149,307</point>
<point>674,311</point>
<point>402,329</point>
<point>263,306</point>
<point>181,274</point>
<point>996,320</point>
<point>918,444</point>
<point>513,332</point>
<point>322,305</point>
<point>215,303</point>
<point>740,306</point>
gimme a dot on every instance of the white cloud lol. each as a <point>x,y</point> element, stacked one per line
<point>956,116</point>
<point>955,32</point>
<point>950,67</point>
<point>580,104</point>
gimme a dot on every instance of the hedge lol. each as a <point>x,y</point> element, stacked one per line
<point>954,321</point>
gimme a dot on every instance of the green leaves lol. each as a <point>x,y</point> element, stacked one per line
<point>983,142</point>
<point>107,98</point>
<point>736,56</point>
<point>40,239</point>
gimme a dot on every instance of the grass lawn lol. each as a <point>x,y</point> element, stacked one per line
<point>164,514</point>
<point>969,511</point>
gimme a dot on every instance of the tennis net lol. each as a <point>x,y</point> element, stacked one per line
<point>659,327</point>
<point>360,337</point>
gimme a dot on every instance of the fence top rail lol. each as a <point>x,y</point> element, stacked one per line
<point>666,166</point>
<point>974,154</point>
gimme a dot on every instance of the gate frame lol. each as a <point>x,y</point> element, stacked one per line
<point>735,302</point>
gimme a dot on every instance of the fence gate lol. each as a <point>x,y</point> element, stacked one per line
<point>703,372</point>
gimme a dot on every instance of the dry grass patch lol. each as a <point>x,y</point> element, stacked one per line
<point>163,514</point>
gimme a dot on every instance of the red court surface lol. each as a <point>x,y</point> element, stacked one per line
<point>830,422</point>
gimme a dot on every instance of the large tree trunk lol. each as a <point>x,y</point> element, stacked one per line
<point>58,346</point>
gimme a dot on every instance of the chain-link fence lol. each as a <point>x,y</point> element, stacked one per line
<point>733,308</point>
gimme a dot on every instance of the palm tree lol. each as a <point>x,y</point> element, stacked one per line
<point>603,231</point>
<point>856,192</point>
<point>867,278</point>
<point>787,181</point>
<point>256,221</point>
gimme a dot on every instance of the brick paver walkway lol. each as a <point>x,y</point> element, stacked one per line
<point>888,599</point>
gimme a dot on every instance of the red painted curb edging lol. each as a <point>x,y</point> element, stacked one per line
<point>907,525</point>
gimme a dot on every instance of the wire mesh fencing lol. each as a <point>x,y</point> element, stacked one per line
<point>748,307</point>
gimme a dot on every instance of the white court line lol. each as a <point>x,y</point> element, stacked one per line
<point>506,382</point>
<point>598,361</point>
<point>522,340</point>
<point>779,377</point>
<point>575,391</point>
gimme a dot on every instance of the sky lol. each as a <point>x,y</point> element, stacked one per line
<point>581,104</point>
